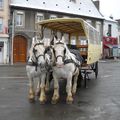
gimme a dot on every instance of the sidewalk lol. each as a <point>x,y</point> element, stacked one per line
<point>109,60</point>
<point>13,65</point>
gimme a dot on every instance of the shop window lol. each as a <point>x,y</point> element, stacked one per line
<point>1,4</point>
<point>1,24</point>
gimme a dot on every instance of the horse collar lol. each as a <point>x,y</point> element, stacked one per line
<point>60,43</point>
<point>38,44</point>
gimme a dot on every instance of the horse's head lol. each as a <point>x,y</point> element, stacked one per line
<point>59,51</point>
<point>38,52</point>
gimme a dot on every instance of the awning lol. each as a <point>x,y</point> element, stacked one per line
<point>108,45</point>
<point>112,46</point>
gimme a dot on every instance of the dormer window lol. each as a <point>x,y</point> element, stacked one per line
<point>53,16</point>
<point>39,17</point>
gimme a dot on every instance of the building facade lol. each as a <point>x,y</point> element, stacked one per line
<point>110,38</point>
<point>4,43</point>
<point>25,13</point>
<point>110,28</point>
<point>118,30</point>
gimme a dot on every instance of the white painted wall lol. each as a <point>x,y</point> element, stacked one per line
<point>114,30</point>
<point>4,55</point>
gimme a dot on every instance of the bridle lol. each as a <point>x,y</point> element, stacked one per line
<point>56,57</point>
<point>34,51</point>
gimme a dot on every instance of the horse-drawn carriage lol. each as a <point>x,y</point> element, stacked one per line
<point>78,35</point>
<point>64,34</point>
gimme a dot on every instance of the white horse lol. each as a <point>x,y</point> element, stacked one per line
<point>36,68</point>
<point>64,68</point>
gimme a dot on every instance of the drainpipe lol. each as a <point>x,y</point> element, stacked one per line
<point>13,28</point>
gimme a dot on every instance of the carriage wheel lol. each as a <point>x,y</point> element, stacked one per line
<point>96,69</point>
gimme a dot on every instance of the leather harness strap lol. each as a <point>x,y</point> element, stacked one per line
<point>71,61</point>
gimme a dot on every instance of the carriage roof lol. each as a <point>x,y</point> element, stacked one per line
<point>77,27</point>
<point>67,25</point>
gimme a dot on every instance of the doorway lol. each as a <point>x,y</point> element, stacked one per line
<point>19,49</point>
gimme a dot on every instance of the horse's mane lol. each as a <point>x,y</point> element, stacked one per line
<point>70,55</point>
<point>34,41</point>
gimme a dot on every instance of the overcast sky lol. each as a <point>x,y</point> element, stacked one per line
<point>110,7</point>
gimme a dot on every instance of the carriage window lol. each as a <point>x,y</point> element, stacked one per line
<point>91,35</point>
<point>39,17</point>
<point>95,37</point>
<point>20,18</point>
<point>98,26</point>
<point>1,24</point>
<point>98,37</point>
<point>66,36</point>
<point>82,40</point>
<point>73,40</point>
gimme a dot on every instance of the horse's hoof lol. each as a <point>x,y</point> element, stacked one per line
<point>69,100</point>
<point>31,100</point>
<point>54,102</point>
<point>42,102</point>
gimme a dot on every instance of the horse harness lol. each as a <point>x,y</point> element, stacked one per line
<point>35,63</point>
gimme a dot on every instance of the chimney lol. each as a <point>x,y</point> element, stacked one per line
<point>97,4</point>
<point>111,17</point>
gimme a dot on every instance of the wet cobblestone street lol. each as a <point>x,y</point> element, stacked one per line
<point>100,101</point>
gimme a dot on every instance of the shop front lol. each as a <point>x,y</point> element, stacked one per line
<point>4,50</point>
